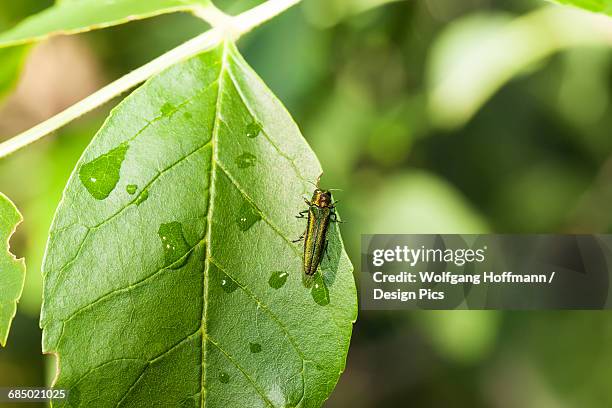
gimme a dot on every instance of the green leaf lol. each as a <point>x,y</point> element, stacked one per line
<point>11,62</point>
<point>12,271</point>
<point>170,277</point>
<point>466,336</point>
<point>418,202</point>
<point>326,13</point>
<point>598,6</point>
<point>75,16</point>
<point>478,54</point>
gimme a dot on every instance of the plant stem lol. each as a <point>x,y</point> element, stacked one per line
<point>224,27</point>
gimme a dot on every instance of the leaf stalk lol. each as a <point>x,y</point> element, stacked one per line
<point>224,27</point>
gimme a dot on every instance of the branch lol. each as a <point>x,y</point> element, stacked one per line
<point>224,26</point>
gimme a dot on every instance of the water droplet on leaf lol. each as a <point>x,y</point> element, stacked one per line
<point>131,189</point>
<point>319,291</point>
<point>247,216</point>
<point>227,283</point>
<point>101,175</point>
<point>246,160</point>
<point>253,129</point>
<point>188,403</point>
<point>255,347</point>
<point>224,377</point>
<point>176,248</point>
<point>167,109</point>
<point>278,279</point>
<point>142,197</point>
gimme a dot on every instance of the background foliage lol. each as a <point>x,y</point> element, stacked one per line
<point>533,157</point>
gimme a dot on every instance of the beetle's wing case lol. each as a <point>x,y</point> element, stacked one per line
<point>316,237</point>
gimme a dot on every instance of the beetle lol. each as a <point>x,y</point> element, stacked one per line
<point>320,212</point>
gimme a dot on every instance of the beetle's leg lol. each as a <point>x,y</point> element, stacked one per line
<point>301,214</point>
<point>299,239</point>
<point>325,250</point>
<point>308,203</point>
<point>334,218</point>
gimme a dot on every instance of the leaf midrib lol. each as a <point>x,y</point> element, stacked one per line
<point>209,224</point>
<point>211,195</point>
<point>217,165</point>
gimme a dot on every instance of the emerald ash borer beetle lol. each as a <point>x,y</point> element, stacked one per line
<point>321,211</point>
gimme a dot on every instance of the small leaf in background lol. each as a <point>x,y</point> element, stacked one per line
<point>418,202</point>
<point>465,336</point>
<point>585,79</point>
<point>476,55</point>
<point>38,202</point>
<point>410,202</point>
<point>326,13</point>
<point>75,16</point>
<point>177,272</point>
<point>12,59</point>
<point>12,270</point>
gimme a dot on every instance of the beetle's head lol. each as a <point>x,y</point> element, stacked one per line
<point>322,198</point>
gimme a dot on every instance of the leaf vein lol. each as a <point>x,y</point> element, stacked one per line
<point>132,285</point>
<point>102,365</point>
<point>275,319</point>
<point>242,370</point>
<point>263,216</point>
<point>153,360</point>
<point>122,209</point>
<point>213,141</point>
<point>290,159</point>
<point>266,308</point>
<point>151,182</point>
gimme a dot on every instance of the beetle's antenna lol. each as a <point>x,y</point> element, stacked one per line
<point>319,179</point>
<point>335,189</point>
<point>316,185</point>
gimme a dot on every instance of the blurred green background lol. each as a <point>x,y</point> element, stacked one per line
<point>432,116</point>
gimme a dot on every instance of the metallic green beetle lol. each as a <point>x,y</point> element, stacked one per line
<point>320,213</point>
